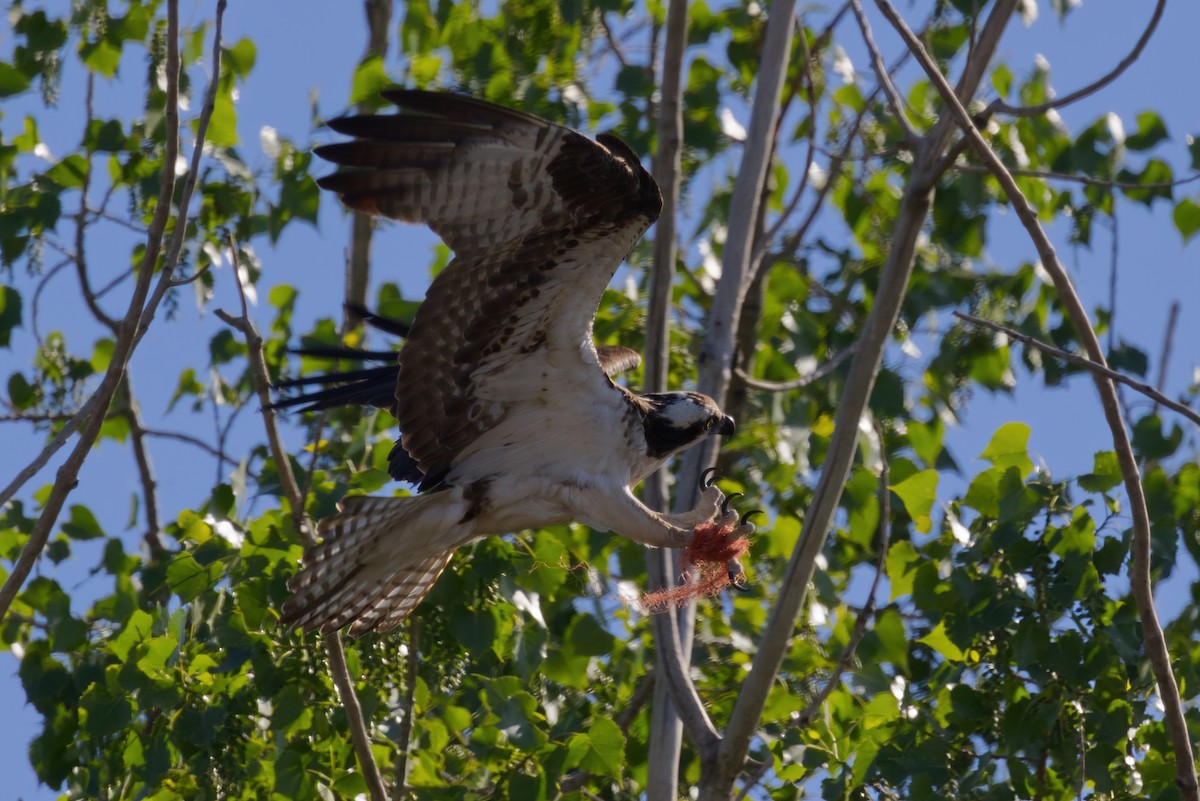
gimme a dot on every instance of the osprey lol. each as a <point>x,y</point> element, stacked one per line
<point>508,414</point>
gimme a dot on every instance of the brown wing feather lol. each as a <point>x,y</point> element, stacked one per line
<point>539,216</point>
<point>617,358</point>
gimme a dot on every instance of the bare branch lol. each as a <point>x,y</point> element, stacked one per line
<point>354,716</point>
<point>613,44</point>
<point>91,416</point>
<point>1139,574</point>
<point>676,703</point>
<point>895,101</point>
<point>81,221</point>
<point>915,204</point>
<point>190,440</point>
<point>827,367</point>
<point>1088,180</point>
<point>1085,363</point>
<point>141,455</point>
<point>175,246</point>
<point>291,490</point>
<point>1041,108</point>
<point>410,688</point>
<point>1168,341</point>
<point>362,226</point>
<point>862,618</point>
<point>262,384</point>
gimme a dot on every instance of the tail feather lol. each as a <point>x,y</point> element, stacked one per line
<point>375,562</point>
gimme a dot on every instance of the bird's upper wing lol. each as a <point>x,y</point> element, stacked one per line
<point>539,217</point>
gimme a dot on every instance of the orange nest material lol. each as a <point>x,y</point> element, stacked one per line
<point>704,567</point>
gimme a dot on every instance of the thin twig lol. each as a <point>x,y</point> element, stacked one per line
<point>141,455</point>
<point>410,688</point>
<point>91,415</point>
<point>895,102</point>
<point>1095,86</point>
<point>1087,180</point>
<point>194,441</point>
<point>826,367</point>
<point>1085,363</point>
<point>291,490</point>
<point>81,220</point>
<point>613,44</point>
<point>1168,342</point>
<point>1139,573</point>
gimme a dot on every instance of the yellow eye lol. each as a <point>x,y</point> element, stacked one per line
<point>711,422</point>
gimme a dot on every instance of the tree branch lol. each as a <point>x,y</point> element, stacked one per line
<point>141,455</point>
<point>1041,108</point>
<point>861,620</point>
<point>1087,364</point>
<point>165,280</point>
<point>1143,591</point>
<point>291,490</point>
<point>91,416</point>
<point>362,227</point>
<point>860,380</point>
<point>827,367</point>
<point>1088,180</point>
<point>895,102</point>
<point>410,688</point>
<point>190,440</point>
<point>675,701</point>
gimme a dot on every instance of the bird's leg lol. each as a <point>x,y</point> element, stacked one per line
<point>629,517</point>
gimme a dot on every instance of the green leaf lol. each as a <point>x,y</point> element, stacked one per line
<point>1010,448</point>
<point>587,638</point>
<point>10,313</point>
<point>1106,473</point>
<point>187,578</point>
<point>370,78</point>
<point>902,563</point>
<point>1150,131</point>
<point>82,524</point>
<point>939,641</point>
<point>1187,218</point>
<point>12,80</point>
<point>106,714</point>
<point>101,57</point>
<point>240,58</point>
<point>606,751</point>
<point>918,492</point>
<point>136,629</point>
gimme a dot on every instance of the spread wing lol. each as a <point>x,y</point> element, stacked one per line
<point>538,216</point>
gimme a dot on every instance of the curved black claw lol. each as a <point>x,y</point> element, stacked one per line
<point>738,581</point>
<point>728,499</point>
<point>746,517</point>
<point>708,477</point>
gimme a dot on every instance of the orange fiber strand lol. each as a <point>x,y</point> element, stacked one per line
<point>703,567</point>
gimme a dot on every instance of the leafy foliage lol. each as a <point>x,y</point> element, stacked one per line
<point>1005,657</point>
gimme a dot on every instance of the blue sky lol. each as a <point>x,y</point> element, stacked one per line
<point>308,48</point>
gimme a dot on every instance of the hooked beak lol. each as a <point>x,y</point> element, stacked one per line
<point>726,428</point>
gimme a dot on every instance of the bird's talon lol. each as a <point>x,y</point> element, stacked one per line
<point>725,510</point>
<point>737,579</point>
<point>708,477</point>
<point>746,517</point>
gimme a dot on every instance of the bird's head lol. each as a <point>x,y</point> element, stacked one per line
<point>675,421</point>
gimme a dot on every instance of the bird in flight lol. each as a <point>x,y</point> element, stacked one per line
<point>508,413</point>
